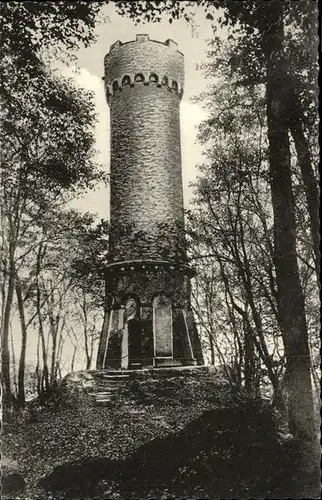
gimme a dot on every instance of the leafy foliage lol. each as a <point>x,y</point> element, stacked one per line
<point>47,159</point>
<point>268,40</point>
<point>28,28</point>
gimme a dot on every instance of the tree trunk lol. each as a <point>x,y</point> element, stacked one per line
<point>39,387</point>
<point>310,184</point>
<point>54,332</point>
<point>59,352</point>
<point>13,357</point>
<point>6,395</point>
<point>212,348</point>
<point>251,379</point>
<point>87,350</point>
<point>73,359</point>
<point>290,295</point>
<point>103,337</point>
<point>22,360</point>
<point>45,375</point>
<point>86,331</point>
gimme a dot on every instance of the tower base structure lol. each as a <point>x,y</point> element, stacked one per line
<point>148,318</point>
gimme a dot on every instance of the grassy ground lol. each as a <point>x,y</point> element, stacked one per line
<point>171,437</point>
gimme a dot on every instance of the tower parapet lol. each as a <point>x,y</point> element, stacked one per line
<point>144,60</point>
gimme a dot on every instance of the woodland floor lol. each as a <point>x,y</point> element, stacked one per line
<point>200,444</point>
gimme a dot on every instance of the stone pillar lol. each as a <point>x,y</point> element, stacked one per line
<point>125,348</point>
<point>147,335</point>
<point>113,353</point>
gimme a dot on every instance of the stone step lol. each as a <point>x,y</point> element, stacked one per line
<point>104,403</point>
<point>114,380</point>
<point>104,391</point>
<point>167,362</point>
<point>113,383</point>
<point>107,389</point>
<point>110,386</point>
<point>103,394</point>
<point>115,374</point>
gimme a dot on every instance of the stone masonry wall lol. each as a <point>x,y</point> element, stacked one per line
<point>146,178</point>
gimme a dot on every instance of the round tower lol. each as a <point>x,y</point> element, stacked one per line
<point>144,85</point>
<point>148,320</point>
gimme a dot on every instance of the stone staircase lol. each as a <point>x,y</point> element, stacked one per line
<point>108,386</point>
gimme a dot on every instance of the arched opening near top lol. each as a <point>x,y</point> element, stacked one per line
<point>175,85</point>
<point>162,326</point>
<point>154,78</point>
<point>132,330</point>
<point>165,80</point>
<point>139,77</point>
<point>126,80</point>
<point>115,86</point>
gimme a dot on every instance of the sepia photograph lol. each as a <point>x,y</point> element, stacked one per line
<point>160,250</point>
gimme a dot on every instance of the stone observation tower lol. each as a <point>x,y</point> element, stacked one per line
<point>148,318</point>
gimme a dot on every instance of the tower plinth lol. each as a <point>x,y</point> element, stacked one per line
<point>148,320</point>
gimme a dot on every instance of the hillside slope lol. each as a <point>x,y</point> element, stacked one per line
<point>183,436</point>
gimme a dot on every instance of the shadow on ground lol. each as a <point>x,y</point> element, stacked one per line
<point>223,454</point>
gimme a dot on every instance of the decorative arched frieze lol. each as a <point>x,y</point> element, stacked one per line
<point>126,80</point>
<point>153,78</point>
<point>149,78</point>
<point>115,86</point>
<point>174,85</point>
<point>165,80</point>
<point>139,77</point>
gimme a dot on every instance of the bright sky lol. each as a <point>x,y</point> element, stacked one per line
<point>191,41</point>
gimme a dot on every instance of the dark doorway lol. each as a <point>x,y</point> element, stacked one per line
<point>135,343</point>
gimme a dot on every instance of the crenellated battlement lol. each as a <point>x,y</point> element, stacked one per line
<point>144,61</point>
<point>140,38</point>
<point>146,79</point>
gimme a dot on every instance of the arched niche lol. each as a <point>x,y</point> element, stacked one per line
<point>139,77</point>
<point>115,85</point>
<point>175,85</point>
<point>132,332</point>
<point>162,327</point>
<point>153,78</point>
<point>165,80</point>
<point>126,80</point>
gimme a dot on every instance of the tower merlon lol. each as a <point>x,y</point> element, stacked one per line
<point>171,43</point>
